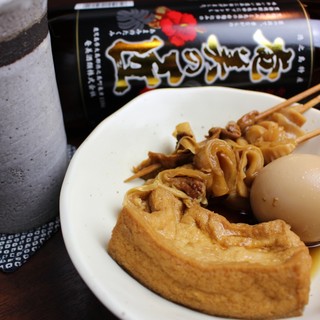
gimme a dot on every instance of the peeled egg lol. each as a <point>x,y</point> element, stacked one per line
<point>288,188</point>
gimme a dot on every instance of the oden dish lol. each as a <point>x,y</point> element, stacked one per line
<point>93,190</point>
<point>167,239</point>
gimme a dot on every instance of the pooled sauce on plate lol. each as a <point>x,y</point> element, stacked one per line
<point>315,254</point>
<point>234,215</point>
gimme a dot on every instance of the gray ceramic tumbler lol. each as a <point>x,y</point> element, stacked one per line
<point>33,148</point>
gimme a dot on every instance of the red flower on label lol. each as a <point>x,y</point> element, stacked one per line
<point>179,27</point>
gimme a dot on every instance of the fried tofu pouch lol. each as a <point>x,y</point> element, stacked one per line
<point>195,257</point>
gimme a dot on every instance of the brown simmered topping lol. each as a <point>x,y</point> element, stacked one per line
<point>233,155</point>
<point>195,257</point>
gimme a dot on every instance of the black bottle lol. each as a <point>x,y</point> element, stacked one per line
<point>108,52</point>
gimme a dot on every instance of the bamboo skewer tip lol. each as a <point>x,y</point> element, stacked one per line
<point>290,101</point>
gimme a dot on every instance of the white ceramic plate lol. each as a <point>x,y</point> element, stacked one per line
<point>93,188</point>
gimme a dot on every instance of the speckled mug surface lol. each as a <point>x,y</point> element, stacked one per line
<point>33,148</point>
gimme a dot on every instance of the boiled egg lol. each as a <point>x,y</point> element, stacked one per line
<point>288,188</point>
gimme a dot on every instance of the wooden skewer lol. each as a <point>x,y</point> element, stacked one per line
<point>144,172</point>
<point>310,104</point>
<point>289,101</point>
<point>308,136</point>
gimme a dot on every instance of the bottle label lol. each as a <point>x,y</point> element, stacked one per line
<point>124,51</point>
<point>103,5</point>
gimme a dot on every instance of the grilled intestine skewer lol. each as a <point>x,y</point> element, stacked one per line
<point>255,116</point>
<point>275,133</point>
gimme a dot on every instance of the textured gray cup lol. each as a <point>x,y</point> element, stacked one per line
<point>33,148</point>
